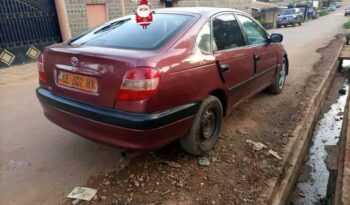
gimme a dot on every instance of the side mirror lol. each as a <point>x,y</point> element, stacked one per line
<point>276,38</point>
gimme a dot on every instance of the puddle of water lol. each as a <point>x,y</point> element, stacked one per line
<point>326,133</point>
<point>346,64</point>
<point>14,164</point>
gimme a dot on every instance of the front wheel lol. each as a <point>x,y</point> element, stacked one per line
<point>280,78</point>
<point>206,127</point>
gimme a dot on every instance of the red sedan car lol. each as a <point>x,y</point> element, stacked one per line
<point>143,88</point>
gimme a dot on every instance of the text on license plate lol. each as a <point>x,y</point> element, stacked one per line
<point>81,82</point>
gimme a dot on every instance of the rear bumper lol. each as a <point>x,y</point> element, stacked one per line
<point>118,128</point>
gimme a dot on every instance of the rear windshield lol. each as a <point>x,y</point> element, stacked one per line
<point>126,33</point>
<point>288,12</point>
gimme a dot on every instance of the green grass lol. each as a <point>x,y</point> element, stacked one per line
<point>266,24</point>
<point>324,12</point>
<point>346,25</point>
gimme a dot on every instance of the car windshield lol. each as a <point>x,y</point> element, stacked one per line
<point>126,33</point>
<point>288,12</point>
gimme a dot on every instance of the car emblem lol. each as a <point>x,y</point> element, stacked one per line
<point>74,61</point>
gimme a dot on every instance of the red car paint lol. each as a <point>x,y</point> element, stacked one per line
<point>187,75</point>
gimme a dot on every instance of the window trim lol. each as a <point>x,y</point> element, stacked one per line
<point>212,33</point>
<point>235,14</point>
<point>210,30</point>
<point>244,33</point>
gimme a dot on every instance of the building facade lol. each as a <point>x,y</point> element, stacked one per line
<point>76,16</point>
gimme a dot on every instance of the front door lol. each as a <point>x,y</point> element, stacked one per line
<point>265,55</point>
<point>234,58</point>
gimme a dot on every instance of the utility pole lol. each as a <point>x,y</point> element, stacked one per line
<point>122,7</point>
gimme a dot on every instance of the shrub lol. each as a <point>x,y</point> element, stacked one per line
<point>265,24</point>
<point>324,12</point>
<point>262,22</point>
<point>346,25</point>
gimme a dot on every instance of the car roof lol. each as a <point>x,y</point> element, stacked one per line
<point>196,10</point>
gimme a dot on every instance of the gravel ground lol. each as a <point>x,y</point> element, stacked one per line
<point>237,173</point>
<point>41,163</point>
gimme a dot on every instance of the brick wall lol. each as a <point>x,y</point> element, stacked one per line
<point>78,22</point>
<point>76,12</point>
<point>131,6</point>
<point>244,5</point>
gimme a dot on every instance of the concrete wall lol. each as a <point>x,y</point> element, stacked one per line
<point>74,20</point>
<point>76,13</point>
<point>131,6</point>
<point>244,5</point>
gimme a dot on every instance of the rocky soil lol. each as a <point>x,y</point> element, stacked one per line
<point>238,171</point>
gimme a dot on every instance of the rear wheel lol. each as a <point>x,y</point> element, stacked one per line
<point>300,23</point>
<point>278,26</point>
<point>280,78</point>
<point>206,127</point>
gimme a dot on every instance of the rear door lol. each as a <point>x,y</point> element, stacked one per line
<point>234,58</point>
<point>264,53</point>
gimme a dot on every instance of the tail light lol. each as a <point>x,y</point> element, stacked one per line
<point>139,84</point>
<point>42,74</point>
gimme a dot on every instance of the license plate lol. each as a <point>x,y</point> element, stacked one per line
<point>81,82</point>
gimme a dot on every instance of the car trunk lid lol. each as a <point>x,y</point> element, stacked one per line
<point>92,75</point>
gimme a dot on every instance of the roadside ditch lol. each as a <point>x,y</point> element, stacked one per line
<point>237,173</point>
<point>316,182</point>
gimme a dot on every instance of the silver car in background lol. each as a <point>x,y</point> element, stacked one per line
<point>291,16</point>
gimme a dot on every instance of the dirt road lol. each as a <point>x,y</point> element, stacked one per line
<point>40,163</point>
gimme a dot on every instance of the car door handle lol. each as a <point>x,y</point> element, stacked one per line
<point>224,67</point>
<point>257,58</point>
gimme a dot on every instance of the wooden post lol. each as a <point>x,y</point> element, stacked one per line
<point>347,35</point>
<point>122,7</point>
<point>63,19</point>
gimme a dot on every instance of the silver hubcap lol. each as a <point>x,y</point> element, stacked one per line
<point>282,76</point>
<point>208,124</point>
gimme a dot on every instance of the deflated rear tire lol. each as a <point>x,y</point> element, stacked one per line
<point>206,127</point>
<point>280,78</point>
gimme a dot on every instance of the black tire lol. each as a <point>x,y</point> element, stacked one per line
<point>300,23</point>
<point>278,26</point>
<point>196,142</point>
<point>278,84</point>
<point>294,24</point>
